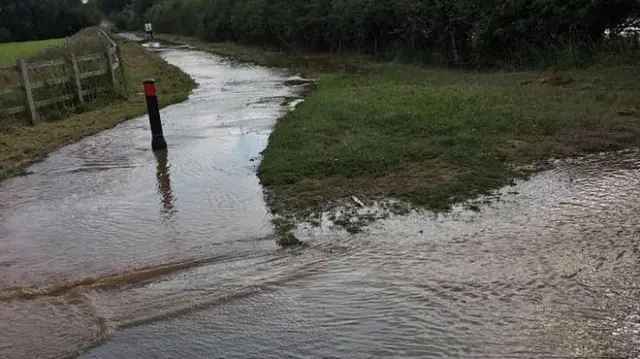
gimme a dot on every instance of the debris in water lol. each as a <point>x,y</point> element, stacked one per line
<point>297,81</point>
<point>357,201</point>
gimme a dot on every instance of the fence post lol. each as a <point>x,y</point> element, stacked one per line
<point>75,77</point>
<point>26,89</point>
<point>122,70</point>
<point>110,72</point>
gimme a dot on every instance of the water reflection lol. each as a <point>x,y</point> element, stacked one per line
<point>164,183</point>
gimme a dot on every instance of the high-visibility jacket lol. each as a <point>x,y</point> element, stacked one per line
<point>148,27</point>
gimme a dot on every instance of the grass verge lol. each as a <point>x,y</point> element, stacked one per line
<point>434,137</point>
<point>10,52</point>
<point>21,145</point>
<point>431,136</point>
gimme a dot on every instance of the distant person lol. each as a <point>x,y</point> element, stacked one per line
<point>148,28</point>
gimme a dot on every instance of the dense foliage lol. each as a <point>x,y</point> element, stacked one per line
<point>126,14</point>
<point>479,31</point>
<point>22,20</point>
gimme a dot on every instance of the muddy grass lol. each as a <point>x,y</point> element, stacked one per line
<point>22,145</point>
<point>430,137</point>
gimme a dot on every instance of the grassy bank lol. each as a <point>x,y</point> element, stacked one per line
<point>435,137</point>
<point>432,136</point>
<point>10,52</point>
<point>22,145</point>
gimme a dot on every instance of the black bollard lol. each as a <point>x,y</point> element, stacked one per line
<point>157,137</point>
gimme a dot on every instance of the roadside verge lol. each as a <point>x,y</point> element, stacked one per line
<point>22,145</point>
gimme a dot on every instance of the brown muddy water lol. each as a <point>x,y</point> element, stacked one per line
<point>107,251</point>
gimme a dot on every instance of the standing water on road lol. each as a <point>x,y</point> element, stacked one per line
<point>172,256</point>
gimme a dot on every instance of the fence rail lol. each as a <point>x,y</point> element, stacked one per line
<point>74,78</point>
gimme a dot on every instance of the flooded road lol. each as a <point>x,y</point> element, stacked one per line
<point>111,248</point>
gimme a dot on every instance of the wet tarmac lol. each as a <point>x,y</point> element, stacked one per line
<point>110,251</point>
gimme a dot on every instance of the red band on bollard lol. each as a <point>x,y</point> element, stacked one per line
<point>149,89</point>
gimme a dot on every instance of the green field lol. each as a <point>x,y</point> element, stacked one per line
<point>10,52</point>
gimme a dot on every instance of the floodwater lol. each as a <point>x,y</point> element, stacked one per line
<point>110,251</point>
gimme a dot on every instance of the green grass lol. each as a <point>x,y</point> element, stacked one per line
<point>435,136</point>
<point>22,145</point>
<point>11,52</point>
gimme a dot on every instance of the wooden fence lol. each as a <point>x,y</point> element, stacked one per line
<point>112,63</point>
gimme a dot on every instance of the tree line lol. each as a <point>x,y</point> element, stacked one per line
<point>24,20</point>
<point>476,32</point>
<point>449,31</point>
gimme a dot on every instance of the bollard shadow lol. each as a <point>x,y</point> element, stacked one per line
<point>163,186</point>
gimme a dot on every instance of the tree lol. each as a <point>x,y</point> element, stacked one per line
<point>36,20</point>
<point>112,6</point>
